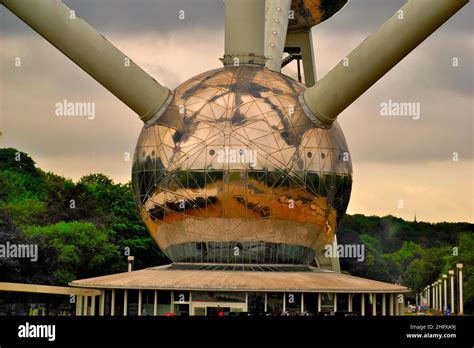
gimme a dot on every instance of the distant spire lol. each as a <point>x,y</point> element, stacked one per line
<point>414,220</point>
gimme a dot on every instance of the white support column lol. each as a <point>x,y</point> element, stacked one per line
<point>435,284</point>
<point>377,55</point>
<point>78,305</point>
<point>391,305</point>
<point>302,302</point>
<point>246,301</point>
<point>125,302</point>
<point>172,302</point>
<point>362,305</point>
<point>93,299</point>
<point>190,306</point>
<point>155,303</point>
<point>93,53</point>
<point>451,279</point>
<point>349,302</point>
<point>374,304</point>
<point>244,32</point>
<point>284,302</point>
<point>85,311</point>
<point>266,303</point>
<point>440,295</point>
<point>428,294</point>
<point>445,292</point>
<point>402,305</point>
<point>384,305</point>
<point>112,303</point>
<point>319,302</point>
<point>335,302</point>
<point>397,306</point>
<point>139,303</point>
<point>460,266</point>
<point>102,303</point>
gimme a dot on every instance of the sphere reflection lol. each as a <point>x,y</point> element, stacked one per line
<point>234,172</point>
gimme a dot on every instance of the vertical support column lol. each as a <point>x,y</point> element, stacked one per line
<point>246,301</point>
<point>172,302</point>
<point>445,292</point>
<point>155,303</point>
<point>374,304</point>
<point>459,266</point>
<point>402,306</point>
<point>85,311</point>
<point>125,302</point>
<point>392,305</point>
<point>266,303</point>
<point>93,299</point>
<point>78,305</point>
<point>335,302</point>
<point>302,302</point>
<point>440,294</point>
<point>451,287</point>
<point>397,306</point>
<point>102,303</point>
<point>190,306</point>
<point>349,302</point>
<point>112,303</point>
<point>435,284</point>
<point>139,303</point>
<point>130,260</point>
<point>284,302</point>
<point>319,302</point>
<point>244,32</point>
<point>416,299</point>
<point>428,294</point>
<point>362,305</point>
<point>384,305</point>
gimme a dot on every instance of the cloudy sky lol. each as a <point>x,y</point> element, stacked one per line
<point>394,158</point>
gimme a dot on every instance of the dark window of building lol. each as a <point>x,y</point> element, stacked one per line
<point>275,303</point>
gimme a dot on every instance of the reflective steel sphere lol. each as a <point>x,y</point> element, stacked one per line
<point>235,172</point>
<point>308,13</point>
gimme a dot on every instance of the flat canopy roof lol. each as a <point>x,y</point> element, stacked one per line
<point>169,278</point>
<point>47,289</point>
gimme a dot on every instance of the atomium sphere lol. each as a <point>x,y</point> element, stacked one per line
<point>308,13</point>
<point>234,171</point>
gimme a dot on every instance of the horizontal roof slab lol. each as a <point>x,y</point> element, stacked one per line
<point>166,278</point>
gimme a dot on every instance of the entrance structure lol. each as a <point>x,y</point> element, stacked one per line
<point>205,289</point>
<point>242,174</point>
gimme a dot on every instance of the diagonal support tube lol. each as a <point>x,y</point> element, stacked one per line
<point>244,32</point>
<point>276,27</point>
<point>70,34</point>
<point>374,57</point>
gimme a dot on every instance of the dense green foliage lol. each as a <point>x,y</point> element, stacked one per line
<point>83,230</point>
<point>414,254</point>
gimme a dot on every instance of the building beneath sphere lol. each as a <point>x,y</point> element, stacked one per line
<point>207,289</point>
